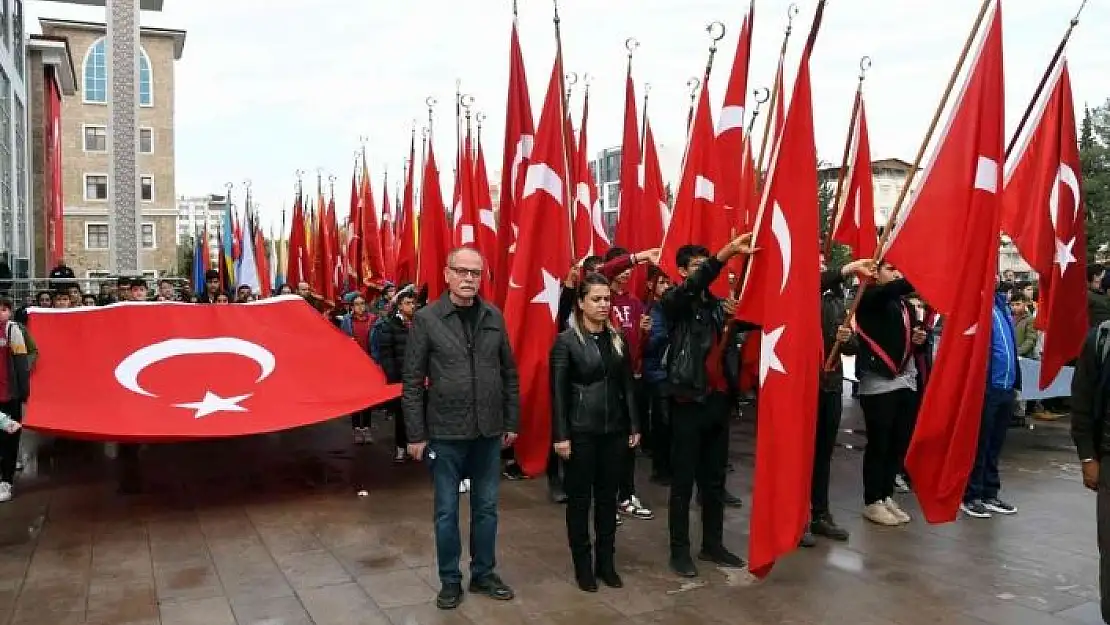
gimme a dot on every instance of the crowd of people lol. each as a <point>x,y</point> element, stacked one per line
<point>642,367</point>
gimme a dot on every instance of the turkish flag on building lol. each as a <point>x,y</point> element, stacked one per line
<point>946,244</point>
<point>542,258</point>
<point>784,284</point>
<point>1042,211</point>
<point>158,372</point>
<point>854,225</point>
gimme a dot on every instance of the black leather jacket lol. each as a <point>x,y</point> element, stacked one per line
<point>587,395</point>
<point>695,321</point>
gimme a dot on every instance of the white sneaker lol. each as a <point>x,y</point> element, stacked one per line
<point>896,510</point>
<point>400,455</point>
<point>634,508</point>
<point>5,492</point>
<point>879,514</point>
<point>464,486</point>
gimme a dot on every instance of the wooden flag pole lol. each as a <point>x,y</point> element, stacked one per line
<point>834,353</point>
<point>791,13</point>
<point>836,215</point>
<point>564,106</point>
<point>1044,79</point>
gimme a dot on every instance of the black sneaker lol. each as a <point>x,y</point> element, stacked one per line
<point>824,525</point>
<point>975,509</point>
<point>683,565</point>
<point>996,505</point>
<point>492,587</point>
<point>722,557</point>
<point>513,472</point>
<point>557,494</point>
<point>449,597</point>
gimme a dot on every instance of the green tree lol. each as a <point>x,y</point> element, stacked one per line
<point>1094,157</point>
<point>826,206</point>
<point>185,252</point>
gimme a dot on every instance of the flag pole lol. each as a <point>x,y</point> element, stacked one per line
<point>694,84</point>
<point>1044,79</point>
<point>563,107</point>
<point>716,32</point>
<point>761,96</point>
<point>842,173</point>
<point>889,227</point>
<point>791,13</point>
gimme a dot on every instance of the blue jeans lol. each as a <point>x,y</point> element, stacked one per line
<point>450,462</point>
<point>998,409</point>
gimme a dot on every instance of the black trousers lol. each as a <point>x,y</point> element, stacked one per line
<point>592,473</point>
<point>699,453</point>
<point>1102,516</point>
<point>400,437</point>
<point>660,432</point>
<point>889,418</point>
<point>9,443</point>
<point>830,407</point>
<point>361,419</point>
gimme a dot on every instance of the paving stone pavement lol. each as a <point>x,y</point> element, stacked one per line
<point>270,530</point>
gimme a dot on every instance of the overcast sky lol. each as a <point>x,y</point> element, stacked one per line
<point>267,87</point>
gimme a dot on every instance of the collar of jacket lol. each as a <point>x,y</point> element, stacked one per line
<point>444,307</point>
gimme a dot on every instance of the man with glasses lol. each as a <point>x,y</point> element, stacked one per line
<point>467,412</point>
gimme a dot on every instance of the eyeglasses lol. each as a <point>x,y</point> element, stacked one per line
<point>464,272</point>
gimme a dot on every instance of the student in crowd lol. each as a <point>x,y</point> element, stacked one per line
<point>392,341</point>
<point>594,424</point>
<point>357,325</point>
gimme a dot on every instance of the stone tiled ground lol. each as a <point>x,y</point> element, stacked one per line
<point>270,530</point>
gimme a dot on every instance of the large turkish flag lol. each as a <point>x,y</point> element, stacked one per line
<point>164,371</point>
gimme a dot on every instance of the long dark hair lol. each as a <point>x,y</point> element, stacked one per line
<point>576,320</point>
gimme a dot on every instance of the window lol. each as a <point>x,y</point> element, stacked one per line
<point>96,75</point>
<point>96,236</point>
<point>22,244</point>
<point>146,140</point>
<point>146,188</point>
<point>96,139</point>
<point>4,22</point>
<point>147,235</point>
<point>6,217</point>
<point>96,187</point>
<point>614,193</point>
<point>17,36</point>
<point>150,274</point>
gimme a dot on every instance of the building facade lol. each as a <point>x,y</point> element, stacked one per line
<point>15,221</point>
<point>606,170</point>
<point>85,141</point>
<point>888,178</point>
<point>194,213</point>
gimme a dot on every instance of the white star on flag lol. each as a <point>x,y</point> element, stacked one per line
<point>768,358</point>
<point>213,403</point>
<point>550,293</point>
<point>1064,254</point>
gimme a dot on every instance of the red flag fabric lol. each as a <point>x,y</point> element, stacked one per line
<point>854,225</point>
<point>373,263</point>
<point>486,240</point>
<point>166,371</point>
<point>958,202</point>
<point>466,211</point>
<point>1044,173</point>
<point>354,223</point>
<point>585,191</point>
<point>519,135</point>
<point>298,261</point>
<point>785,283</point>
<point>406,240</point>
<point>698,217</point>
<point>261,260</point>
<point>386,235</point>
<point>656,215</point>
<point>435,235</point>
<point>542,258</point>
<point>628,220</point>
<point>733,145</point>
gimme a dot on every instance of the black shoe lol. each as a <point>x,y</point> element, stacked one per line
<point>584,573</point>
<point>807,541</point>
<point>732,501</point>
<point>557,494</point>
<point>492,587</point>
<point>683,566</point>
<point>449,597</point>
<point>513,472</point>
<point>824,525</point>
<point>722,557</point>
<point>608,575</point>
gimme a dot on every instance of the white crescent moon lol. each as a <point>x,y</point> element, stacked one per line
<point>129,369</point>
<point>781,229</point>
<point>1065,175</point>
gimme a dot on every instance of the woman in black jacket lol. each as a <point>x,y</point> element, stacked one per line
<point>593,420</point>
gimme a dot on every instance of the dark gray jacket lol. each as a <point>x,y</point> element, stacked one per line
<point>472,389</point>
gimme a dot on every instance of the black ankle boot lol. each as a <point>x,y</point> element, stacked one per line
<point>584,573</point>
<point>607,572</point>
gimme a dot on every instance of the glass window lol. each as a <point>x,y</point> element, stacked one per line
<point>96,139</point>
<point>4,22</point>
<point>146,140</point>
<point>146,188</point>
<point>6,217</point>
<point>146,87</point>
<point>21,193</point>
<point>96,236</point>
<point>96,73</point>
<point>614,192</point>
<point>17,36</point>
<point>148,236</point>
<point>96,187</point>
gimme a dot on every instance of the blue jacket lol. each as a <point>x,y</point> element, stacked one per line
<point>654,371</point>
<point>1005,372</point>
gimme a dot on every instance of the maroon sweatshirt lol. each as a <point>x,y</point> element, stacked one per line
<point>627,310</point>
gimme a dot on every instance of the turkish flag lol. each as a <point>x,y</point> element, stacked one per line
<point>855,220</point>
<point>167,371</point>
<point>1044,173</point>
<point>434,232</point>
<point>389,255</point>
<point>589,237</point>
<point>638,228</point>
<point>785,287</point>
<point>486,240</point>
<point>946,244</point>
<point>405,267</point>
<point>542,258</point>
<point>733,144</point>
